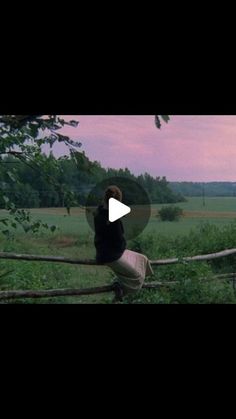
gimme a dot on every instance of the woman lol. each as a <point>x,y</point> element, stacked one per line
<point>131,268</point>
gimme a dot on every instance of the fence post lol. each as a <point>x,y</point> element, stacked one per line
<point>119,292</point>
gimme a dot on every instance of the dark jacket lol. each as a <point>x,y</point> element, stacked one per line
<point>109,237</point>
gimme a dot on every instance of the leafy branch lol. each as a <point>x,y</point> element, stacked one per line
<point>158,119</point>
<point>22,137</point>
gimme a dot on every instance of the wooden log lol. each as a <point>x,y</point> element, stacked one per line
<point>228,275</point>
<point>15,294</point>
<point>39,258</point>
<point>198,258</point>
<point>158,284</point>
<point>5,295</point>
<point>90,262</point>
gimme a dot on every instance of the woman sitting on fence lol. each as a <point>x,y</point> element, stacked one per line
<point>131,268</point>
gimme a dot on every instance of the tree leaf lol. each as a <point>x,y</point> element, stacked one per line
<point>166,118</point>
<point>5,221</point>
<point>6,199</point>
<point>157,121</point>
<point>11,176</point>
<point>5,232</point>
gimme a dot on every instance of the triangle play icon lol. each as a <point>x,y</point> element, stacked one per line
<point>117,210</point>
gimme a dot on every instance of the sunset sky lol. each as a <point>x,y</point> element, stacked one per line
<point>189,148</point>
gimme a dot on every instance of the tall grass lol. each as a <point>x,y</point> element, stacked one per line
<point>196,283</point>
<point>159,240</point>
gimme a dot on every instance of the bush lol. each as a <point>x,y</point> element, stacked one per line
<point>196,282</point>
<point>170,213</point>
<point>188,291</point>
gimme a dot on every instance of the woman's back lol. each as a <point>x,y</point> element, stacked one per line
<point>109,237</point>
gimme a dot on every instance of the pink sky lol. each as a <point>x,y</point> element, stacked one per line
<point>189,148</point>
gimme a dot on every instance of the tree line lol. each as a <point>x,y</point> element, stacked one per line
<point>210,189</point>
<point>28,187</point>
<point>23,136</point>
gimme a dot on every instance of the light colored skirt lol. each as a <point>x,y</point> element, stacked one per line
<point>131,270</point>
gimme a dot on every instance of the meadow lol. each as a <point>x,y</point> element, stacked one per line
<point>217,211</point>
<point>74,238</point>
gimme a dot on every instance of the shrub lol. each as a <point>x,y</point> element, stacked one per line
<point>196,282</point>
<point>170,213</point>
<point>187,291</point>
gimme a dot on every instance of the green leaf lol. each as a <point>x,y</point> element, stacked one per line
<point>74,123</point>
<point>6,232</point>
<point>4,221</point>
<point>6,199</point>
<point>26,227</point>
<point>33,130</point>
<point>11,176</point>
<point>36,225</point>
<point>157,121</point>
<point>166,118</point>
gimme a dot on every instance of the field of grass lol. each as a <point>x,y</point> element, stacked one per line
<point>74,238</point>
<point>218,211</point>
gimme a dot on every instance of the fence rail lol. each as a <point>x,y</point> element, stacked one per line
<point>14,294</point>
<point>5,295</point>
<point>91,262</point>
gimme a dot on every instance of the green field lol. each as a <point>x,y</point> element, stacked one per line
<point>219,211</point>
<point>74,238</point>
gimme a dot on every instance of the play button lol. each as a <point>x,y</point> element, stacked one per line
<point>135,204</point>
<point>117,210</point>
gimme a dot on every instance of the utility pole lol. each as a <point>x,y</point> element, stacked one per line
<point>203,195</point>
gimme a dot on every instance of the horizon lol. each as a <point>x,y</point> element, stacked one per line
<point>170,181</point>
<point>198,149</point>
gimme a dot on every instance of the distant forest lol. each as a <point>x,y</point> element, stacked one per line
<point>34,190</point>
<point>209,189</point>
<point>44,186</point>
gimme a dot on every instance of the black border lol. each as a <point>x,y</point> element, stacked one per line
<point>98,92</point>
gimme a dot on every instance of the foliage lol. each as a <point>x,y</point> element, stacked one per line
<point>72,179</point>
<point>206,238</point>
<point>158,118</point>
<point>170,213</point>
<point>196,282</point>
<point>191,291</point>
<point>22,136</point>
<point>222,189</point>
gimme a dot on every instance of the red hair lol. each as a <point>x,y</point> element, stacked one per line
<point>112,192</point>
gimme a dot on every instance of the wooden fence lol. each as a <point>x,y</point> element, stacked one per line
<point>11,294</point>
